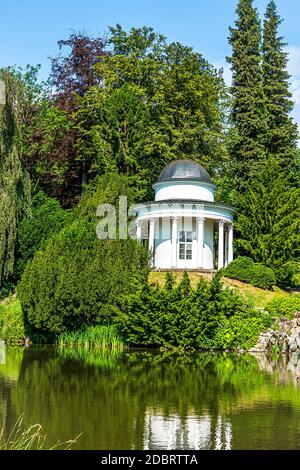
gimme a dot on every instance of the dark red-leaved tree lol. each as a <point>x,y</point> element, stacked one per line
<point>53,136</point>
<point>73,74</point>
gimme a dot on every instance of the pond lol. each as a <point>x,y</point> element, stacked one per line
<point>149,400</point>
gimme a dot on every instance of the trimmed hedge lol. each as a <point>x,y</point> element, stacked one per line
<point>285,306</point>
<point>244,269</point>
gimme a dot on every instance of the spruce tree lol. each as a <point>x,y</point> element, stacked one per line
<point>268,226</point>
<point>282,132</point>
<point>14,181</point>
<point>248,111</point>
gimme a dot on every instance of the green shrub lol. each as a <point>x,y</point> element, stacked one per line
<point>243,329</point>
<point>11,321</point>
<point>285,306</point>
<point>47,218</point>
<point>178,316</point>
<point>263,277</point>
<point>241,268</point>
<point>244,269</point>
<point>77,278</point>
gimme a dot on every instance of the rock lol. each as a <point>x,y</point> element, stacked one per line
<point>297,315</point>
<point>285,338</point>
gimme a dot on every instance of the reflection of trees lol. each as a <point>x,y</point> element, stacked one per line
<point>136,399</point>
<point>9,374</point>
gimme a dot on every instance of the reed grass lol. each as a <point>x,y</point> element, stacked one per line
<point>100,337</point>
<point>31,438</point>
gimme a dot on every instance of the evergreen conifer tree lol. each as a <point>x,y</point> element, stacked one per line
<point>282,132</point>
<point>14,181</point>
<point>268,226</point>
<point>248,110</point>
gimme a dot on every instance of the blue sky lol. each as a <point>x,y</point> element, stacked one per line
<point>29,30</point>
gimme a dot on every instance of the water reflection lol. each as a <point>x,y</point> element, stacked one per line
<point>287,368</point>
<point>192,433</point>
<point>143,399</point>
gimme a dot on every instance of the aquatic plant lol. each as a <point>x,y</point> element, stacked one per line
<point>92,337</point>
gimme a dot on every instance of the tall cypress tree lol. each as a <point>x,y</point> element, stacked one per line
<point>282,132</point>
<point>248,111</point>
<point>14,181</point>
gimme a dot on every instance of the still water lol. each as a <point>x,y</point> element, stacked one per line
<point>148,400</point>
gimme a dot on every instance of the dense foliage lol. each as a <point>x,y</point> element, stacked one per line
<point>285,306</point>
<point>268,227</point>
<point>282,134</point>
<point>182,317</point>
<point>47,217</point>
<point>263,174</point>
<point>11,321</point>
<point>248,109</point>
<point>160,102</point>
<point>244,269</point>
<point>14,180</point>
<point>76,279</point>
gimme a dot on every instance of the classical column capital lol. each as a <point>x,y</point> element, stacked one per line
<point>222,222</point>
<point>175,218</point>
<point>151,221</point>
<point>201,220</point>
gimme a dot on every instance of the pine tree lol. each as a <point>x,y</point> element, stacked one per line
<point>268,226</point>
<point>248,111</point>
<point>282,132</point>
<point>14,181</point>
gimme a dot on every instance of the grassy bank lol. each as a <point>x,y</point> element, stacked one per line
<point>93,337</point>
<point>259,298</point>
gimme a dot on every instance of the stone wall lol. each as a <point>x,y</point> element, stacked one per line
<point>284,337</point>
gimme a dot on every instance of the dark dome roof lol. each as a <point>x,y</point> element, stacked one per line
<point>184,170</point>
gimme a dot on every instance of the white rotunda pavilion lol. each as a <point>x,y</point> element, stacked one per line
<point>185,228</point>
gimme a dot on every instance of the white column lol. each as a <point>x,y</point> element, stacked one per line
<point>200,241</point>
<point>221,245</point>
<point>226,246</point>
<point>151,240</point>
<point>230,243</point>
<point>174,241</point>
<point>138,231</point>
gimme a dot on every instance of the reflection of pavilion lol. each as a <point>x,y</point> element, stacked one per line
<point>193,432</point>
<point>2,353</point>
